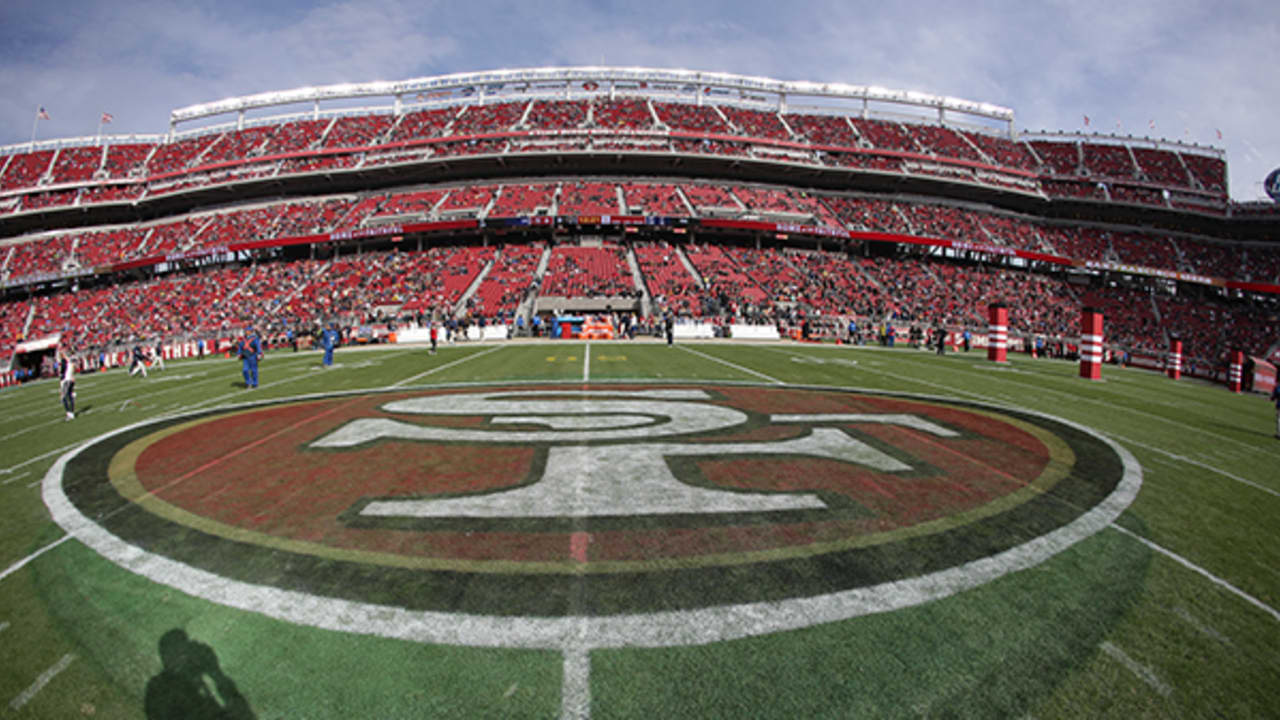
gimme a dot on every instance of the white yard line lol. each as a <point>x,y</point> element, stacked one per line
<point>25,696</point>
<point>586,364</point>
<point>1205,573</point>
<point>459,361</point>
<point>22,563</point>
<point>575,690</point>
<point>735,366</point>
<point>1197,463</point>
<point>1204,629</point>
<point>1112,407</point>
<point>25,463</point>
<point>4,626</point>
<point>1143,672</point>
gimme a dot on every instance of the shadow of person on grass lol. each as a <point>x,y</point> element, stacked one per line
<point>191,685</point>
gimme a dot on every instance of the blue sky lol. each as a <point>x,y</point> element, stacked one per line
<point>1191,68</point>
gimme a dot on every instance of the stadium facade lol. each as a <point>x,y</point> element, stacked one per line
<point>719,198</point>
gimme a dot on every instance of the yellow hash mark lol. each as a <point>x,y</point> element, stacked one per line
<point>611,358</point>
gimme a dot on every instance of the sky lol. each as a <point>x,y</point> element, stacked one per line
<point>1190,69</point>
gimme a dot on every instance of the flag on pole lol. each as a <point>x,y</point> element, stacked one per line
<point>42,114</point>
<point>1086,120</point>
<point>1219,134</point>
<point>1151,124</point>
<point>106,117</point>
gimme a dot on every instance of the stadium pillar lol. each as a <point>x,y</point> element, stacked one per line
<point>1235,376</point>
<point>1091,344</point>
<point>998,333</point>
<point>1175,359</point>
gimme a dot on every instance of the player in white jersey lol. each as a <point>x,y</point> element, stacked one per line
<point>67,385</point>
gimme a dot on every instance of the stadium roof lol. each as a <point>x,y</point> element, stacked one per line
<point>592,78</point>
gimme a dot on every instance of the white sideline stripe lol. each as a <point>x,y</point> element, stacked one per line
<point>735,366</point>
<point>21,563</point>
<point>575,688</point>
<point>586,364</point>
<point>446,366</point>
<point>25,696</point>
<point>1143,672</point>
<point>1197,463</point>
<point>1208,575</point>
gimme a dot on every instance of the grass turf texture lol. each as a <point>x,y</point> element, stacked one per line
<point>1029,643</point>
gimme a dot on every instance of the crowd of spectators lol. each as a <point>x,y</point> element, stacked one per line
<point>710,197</point>
<point>660,200</point>
<point>557,114</point>
<point>945,142</point>
<point>825,130</point>
<point>730,292</point>
<point>473,198</point>
<point>1141,175</point>
<point>76,164</point>
<point>1161,166</point>
<point>413,126</point>
<point>1110,161</point>
<point>25,170</point>
<point>1154,251</point>
<point>757,123</point>
<point>509,280</point>
<point>578,272</point>
<point>669,282</point>
<point>1210,172</point>
<point>886,134</point>
<point>742,284</point>
<point>127,160</point>
<point>691,118</point>
<point>295,136</point>
<point>359,130</point>
<point>588,198</point>
<point>480,119</point>
<point>621,114</point>
<point>524,200</point>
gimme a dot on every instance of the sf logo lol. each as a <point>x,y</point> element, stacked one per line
<point>586,476</point>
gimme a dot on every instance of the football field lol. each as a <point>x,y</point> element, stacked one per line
<point>627,529</point>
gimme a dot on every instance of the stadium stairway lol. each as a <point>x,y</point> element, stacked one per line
<point>637,278</point>
<point>473,287</point>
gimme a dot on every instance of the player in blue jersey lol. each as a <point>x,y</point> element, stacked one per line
<point>329,340</point>
<point>250,351</point>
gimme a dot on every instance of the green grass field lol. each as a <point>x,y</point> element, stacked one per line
<point>1169,611</point>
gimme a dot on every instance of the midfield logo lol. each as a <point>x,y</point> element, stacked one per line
<point>601,461</point>
<point>656,516</point>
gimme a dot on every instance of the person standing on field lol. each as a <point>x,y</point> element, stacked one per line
<point>67,385</point>
<point>1275,398</point>
<point>328,340</point>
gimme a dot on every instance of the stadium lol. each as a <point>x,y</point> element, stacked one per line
<point>756,398</point>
